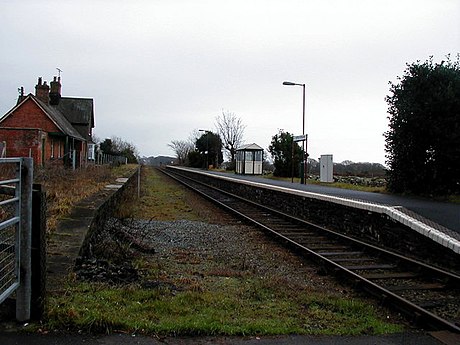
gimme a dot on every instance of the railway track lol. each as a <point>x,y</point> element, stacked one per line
<point>428,296</point>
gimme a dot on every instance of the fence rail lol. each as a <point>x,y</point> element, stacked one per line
<point>10,213</point>
<point>104,158</point>
<point>16,175</point>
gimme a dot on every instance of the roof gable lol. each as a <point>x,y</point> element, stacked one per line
<point>53,114</point>
<point>252,147</point>
<point>18,105</point>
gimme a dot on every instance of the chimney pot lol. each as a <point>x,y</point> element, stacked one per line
<point>55,91</point>
<point>21,94</point>
<point>42,91</point>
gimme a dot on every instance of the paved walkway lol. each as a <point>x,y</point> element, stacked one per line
<point>118,339</point>
<point>65,243</point>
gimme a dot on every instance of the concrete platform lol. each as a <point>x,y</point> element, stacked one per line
<point>439,221</point>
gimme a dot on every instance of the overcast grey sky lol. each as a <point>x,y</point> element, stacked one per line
<point>158,70</point>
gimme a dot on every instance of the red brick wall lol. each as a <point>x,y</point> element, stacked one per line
<point>22,143</point>
<point>29,115</point>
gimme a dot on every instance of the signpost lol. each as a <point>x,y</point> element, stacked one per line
<point>302,137</point>
<point>297,138</point>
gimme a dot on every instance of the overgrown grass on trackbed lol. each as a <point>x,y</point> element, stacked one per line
<point>229,306</point>
<point>222,303</point>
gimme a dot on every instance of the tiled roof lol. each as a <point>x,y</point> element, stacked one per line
<point>59,119</point>
<point>79,112</point>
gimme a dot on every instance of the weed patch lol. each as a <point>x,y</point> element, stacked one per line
<point>239,307</point>
<point>65,187</point>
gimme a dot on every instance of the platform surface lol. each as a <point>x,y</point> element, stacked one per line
<point>444,214</point>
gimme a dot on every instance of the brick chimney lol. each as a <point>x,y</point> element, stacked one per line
<point>55,91</point>
<point>21,94</point>
<point>42,91</point>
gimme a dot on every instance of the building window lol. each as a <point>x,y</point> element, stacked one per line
<point>52,148</point>
<point>2,149</point>
<point>91,148</point>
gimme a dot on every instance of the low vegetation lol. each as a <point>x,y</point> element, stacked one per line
<point>65,187</point>
<point>161,201</point>
<point>360,184</point>
<point>221,306</point>
<point>187,296</point>
<point>57,181</point>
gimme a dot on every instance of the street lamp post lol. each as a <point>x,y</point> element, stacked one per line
<point>303,178</point>
<point>207,146</point>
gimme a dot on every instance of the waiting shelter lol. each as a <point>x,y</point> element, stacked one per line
<point>249,159</point>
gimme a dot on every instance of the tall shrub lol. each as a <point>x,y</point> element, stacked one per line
<point>423,140</point>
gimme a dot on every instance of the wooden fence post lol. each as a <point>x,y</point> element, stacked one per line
<point>38,252</point>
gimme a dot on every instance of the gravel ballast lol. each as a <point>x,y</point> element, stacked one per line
<point>198,249</point>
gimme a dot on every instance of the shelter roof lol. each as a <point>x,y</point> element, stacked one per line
<point>250,147</point>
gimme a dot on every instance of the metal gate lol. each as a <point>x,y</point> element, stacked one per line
<point>16,176</point>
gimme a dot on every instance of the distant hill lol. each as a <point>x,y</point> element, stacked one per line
<point>158,161</point>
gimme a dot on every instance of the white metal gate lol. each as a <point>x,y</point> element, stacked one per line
<point>16,176</point>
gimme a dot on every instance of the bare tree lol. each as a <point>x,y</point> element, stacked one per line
<point>231,130</point>
<point>194,136</point>
<point>181,148</point>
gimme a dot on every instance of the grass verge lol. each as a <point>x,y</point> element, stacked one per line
<point>250,306</point>
<point>350,186</point>
<point>65,187</point>
<point>341,185</point>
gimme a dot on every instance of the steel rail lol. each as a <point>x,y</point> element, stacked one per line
<point>352,240</point>
<point>420,315</point>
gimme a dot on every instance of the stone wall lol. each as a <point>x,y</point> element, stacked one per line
<point>367,226</point>
<point>109,208</point>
